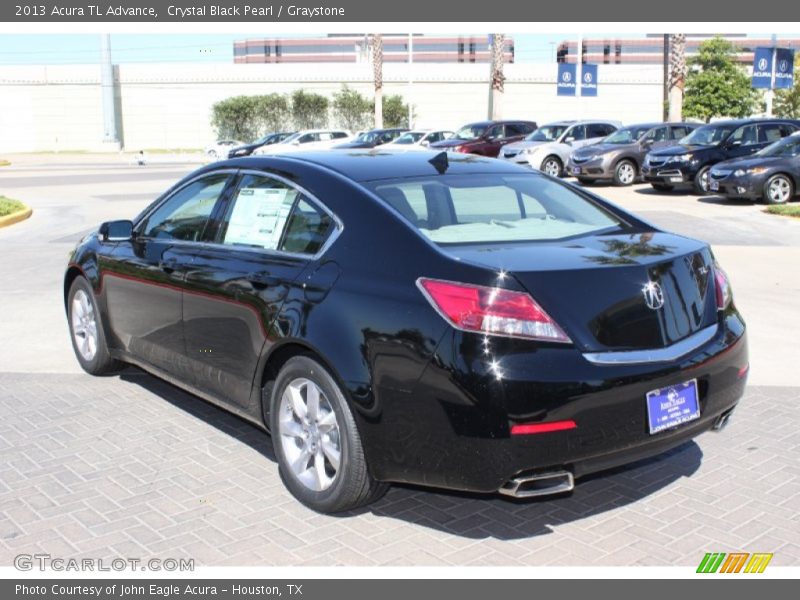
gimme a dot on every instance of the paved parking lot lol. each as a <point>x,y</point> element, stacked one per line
<point>130,466</point>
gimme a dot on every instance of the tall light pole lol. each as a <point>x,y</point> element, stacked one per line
<point>410,80</point>
<point>110,135</point>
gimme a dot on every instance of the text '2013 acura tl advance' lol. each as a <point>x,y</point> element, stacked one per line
<point>446,320</point>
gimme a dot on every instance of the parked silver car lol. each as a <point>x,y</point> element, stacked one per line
<point>548,148</point>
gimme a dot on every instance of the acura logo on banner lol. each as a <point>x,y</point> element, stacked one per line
<point>589,80</point>
<point>784,67</point>
<point>565,86</point>
<point>762,68</point>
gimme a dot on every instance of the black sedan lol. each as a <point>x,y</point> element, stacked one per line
<point>772,175</point>
<point>267,140</point>
<point>445,320</point>
<point>373,138</point>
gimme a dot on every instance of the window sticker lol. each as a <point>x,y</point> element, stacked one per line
<point>259,216</point>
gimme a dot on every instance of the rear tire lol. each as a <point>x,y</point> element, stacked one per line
<point>316,442</point>
<point>624,173</point>
<point>552,166</point>
<point>86,330</point>
<point>778,189</point>
<point>662,187</point>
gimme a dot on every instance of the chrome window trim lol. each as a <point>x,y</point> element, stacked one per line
<point>655,355</point>
<point>338,224</point>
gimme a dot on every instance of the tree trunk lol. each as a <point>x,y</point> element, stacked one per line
<point>377,72</point>
<point>497,78</point>
<point>677,79</point>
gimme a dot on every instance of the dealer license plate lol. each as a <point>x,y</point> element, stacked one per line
<point>671,406</point>
<point>576,170</point>
<point>713,186</point>
<point>676,179</point>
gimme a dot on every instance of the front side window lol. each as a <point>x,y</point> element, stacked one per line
<point>453,209</point>
<point>708,135</point>
<point>787,147</point>
<point>470,132</point>
<point>627,135</point>
<point>184,216</point>
<point>577,133</point>
<point>548,133</point>
<point>679,132</point>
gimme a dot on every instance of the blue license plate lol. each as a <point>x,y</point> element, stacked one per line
<point>672,406</point>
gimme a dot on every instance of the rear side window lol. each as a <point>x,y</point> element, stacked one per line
<point>452,209</point>
<point>679,132</point>
<point>771,132</point>
<point>745,136</point>
<point>308,229</point>
<point>185,214</point>
<point>598,130</point>
<point>257,213</point>
<point>576,133</point>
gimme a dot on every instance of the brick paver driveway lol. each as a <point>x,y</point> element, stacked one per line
<point>129,466</point>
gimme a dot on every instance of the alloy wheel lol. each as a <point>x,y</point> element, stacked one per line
<point>84,325</point>
<point>779,190</point>
<point>626,173</point>
<point>309,434</point>
<point>551,167</point>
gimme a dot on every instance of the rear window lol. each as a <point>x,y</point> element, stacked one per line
<point>461,209</point>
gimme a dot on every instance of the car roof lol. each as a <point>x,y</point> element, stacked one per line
<point>376,164</point>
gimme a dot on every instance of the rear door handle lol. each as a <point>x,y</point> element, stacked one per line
<point>262,279</point>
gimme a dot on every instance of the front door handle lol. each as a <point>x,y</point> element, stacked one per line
<point>168,265</point>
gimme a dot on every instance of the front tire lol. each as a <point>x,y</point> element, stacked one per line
<point>778,189</point>
<point>316,442</point>
<point>86,330</point>
<point>552,166</point>
<point>701,181</point>
<point>624,173</point>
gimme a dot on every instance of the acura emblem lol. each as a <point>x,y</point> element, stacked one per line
<point>653,295</point>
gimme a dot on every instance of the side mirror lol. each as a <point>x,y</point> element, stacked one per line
<point>116,231</point>
<point>647,143</point>
<point>296,143</point>
<point>569,140</point>
<point>734,143</point>
<point>425,143</point>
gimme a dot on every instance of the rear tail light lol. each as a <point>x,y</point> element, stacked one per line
<point>491,310</point>
<point>723,287</point>
<point>533,428</point>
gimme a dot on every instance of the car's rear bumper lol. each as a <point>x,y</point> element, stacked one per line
<point>453,431</point>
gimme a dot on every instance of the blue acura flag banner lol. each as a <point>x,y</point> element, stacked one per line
<point>784,67</point>
<point>762,68</point>
<point>589,80</point>
<point>565,85</point>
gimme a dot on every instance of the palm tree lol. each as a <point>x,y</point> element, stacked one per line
<point>677,75</point>
<point>497,78</point>
<point>377,73</point>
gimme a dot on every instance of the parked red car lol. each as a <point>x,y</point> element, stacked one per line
<point>486,137</point>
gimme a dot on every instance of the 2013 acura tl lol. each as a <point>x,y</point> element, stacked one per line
<point>445,320</point>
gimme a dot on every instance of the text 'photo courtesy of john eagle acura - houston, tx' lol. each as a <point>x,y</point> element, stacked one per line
<point>447,320</point>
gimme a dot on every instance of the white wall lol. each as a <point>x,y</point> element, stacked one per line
<point>168,105</point>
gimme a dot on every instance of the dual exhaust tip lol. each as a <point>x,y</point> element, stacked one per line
<point>539,484</point>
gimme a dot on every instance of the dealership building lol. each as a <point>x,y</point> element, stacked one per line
<point>354,48</point>
<point>650,50</point>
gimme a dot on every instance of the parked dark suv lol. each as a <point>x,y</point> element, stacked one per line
<point>690,161</point>
<point>619,156</point>
<point>374,137</point>
<point>486,137</point>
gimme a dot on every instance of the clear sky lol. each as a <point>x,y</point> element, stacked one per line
<point>126,48</point>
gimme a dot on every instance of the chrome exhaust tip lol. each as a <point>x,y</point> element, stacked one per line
<point>539,484</point>
<point>722,421</point>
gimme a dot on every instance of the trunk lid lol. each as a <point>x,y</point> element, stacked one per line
<point>594,286</point>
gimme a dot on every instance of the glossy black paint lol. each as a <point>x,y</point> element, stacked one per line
<point>661,165</point>
<point>428,403</point>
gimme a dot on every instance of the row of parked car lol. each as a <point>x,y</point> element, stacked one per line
<point>747,158</point>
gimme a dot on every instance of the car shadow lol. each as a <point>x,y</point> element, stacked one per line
<point>651,191</point>
<point>468,515</point>
<point>723,201</point>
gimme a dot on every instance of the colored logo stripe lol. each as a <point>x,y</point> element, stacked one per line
<point>758,562</point>
<point>717,562</point>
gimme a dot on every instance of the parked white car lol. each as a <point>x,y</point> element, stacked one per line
<point>548,148</point>
<point>220,148</point>
<point>418,139</point>
<point>309,139</point>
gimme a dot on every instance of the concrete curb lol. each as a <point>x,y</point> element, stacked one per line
<point>16,217</point>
